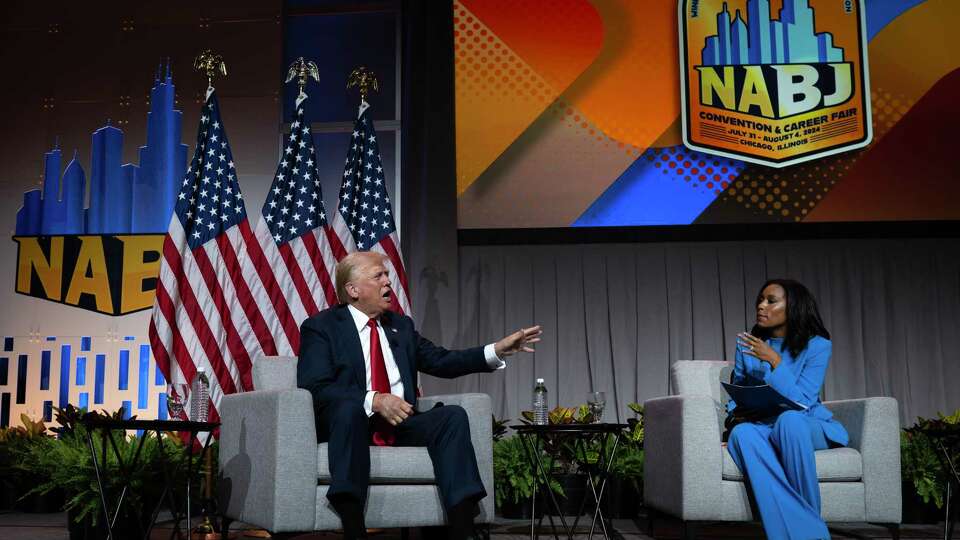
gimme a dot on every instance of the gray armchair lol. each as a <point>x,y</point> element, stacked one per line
<point>275,475</point>
<point>691,476</point>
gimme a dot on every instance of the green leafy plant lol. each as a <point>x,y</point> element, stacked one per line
<point>499,428</point>
<point>66,463</point>
<point>15,454</point>
<point>513,473</point>
<point>628,463</point>
<point>922,460</point>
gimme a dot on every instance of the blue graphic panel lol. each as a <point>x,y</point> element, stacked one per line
<point>84,400</point>
<point>124,381</point>
<point>129,338</point>
<point>4,366</point>
<point>143,381</point>
<point>5,410</point>
<point>881,12</point>
<point>47,411</point>
<point>123,198</point>
<point>162,406</point>
<point>98,379</point>
<point>22,379</point>
<point>45,370</point>
<point>158,378</point>
<point>51,338</point>
<point>81,371</point>
<point>64,376</point>
<point>7,344</point>
<point>85,344</point>
<point>127,407</point>
<point>664,186</point>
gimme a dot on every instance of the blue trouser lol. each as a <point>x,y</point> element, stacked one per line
<point>777,461</point>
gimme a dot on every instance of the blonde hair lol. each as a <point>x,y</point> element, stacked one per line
<point>346,268</point>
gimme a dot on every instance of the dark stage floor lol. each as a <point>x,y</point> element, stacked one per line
<point>19,526</point>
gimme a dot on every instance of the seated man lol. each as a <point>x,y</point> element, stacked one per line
<point>360,362</point>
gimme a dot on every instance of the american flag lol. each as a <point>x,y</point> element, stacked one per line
<point>294,234</point>
<point>213,308</point>
<point>365,209</point>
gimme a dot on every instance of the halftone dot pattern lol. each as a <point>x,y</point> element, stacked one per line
<point>577,120</point>
<point>695,169</point>
<point>789,194</point>
<point>557,37</point>
<point>491,76</point>
<point>488,71</point>
<point>888,109</point>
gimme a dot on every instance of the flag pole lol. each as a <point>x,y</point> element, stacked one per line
<point>211,65</point>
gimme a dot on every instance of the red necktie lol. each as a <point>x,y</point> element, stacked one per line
<point>383,434</point>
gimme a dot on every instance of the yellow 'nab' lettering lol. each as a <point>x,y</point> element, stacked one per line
<point>32,260</point>
<point>136,270</point>
<point>91,260</point>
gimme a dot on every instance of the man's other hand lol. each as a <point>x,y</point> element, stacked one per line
<point>393,409</point>
<point>521,340</point>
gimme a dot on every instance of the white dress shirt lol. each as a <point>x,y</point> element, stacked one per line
<point>393,373</point>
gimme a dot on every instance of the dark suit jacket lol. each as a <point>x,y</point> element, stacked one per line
<point>332,366</point>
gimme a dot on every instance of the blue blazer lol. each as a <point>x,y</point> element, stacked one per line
<point>799,379</point>
<point>332,366</point>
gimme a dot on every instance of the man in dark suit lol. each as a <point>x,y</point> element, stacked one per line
<point>360,362</point>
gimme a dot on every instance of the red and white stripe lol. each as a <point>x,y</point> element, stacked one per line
<point>303,269</point>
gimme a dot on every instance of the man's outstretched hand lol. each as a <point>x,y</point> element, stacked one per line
<point>393,409</point>
<point>521,340</point>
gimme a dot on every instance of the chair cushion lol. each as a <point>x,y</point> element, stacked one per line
<point>388,465</point>
<point>833,465</point>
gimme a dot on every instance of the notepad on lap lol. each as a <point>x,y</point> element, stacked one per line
<point>761,398</point>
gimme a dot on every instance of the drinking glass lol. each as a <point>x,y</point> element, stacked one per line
<point>177,400</point>
<point>596,402</point>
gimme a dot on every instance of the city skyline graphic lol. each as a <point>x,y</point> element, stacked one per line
<point>123,198</point>
<point>762,39</point>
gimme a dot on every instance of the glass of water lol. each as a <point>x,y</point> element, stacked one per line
<point>596,401</point>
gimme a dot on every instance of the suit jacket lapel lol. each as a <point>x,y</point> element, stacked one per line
<point>348,329</point>
<point>399,353</point>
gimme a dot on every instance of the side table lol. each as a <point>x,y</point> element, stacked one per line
<point>106,427</point>
<point>542,443</point>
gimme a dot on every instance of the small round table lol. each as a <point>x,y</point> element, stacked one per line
<point>543,444</point>
<point>106,427</point>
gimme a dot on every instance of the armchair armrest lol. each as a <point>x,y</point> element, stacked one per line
<point>874,428</point>
<point>683,462</point>
<point>479,412</point>
<point>268,459</point>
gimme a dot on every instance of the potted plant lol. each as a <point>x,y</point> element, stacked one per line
<point>68,465</point>
<point>513,479</point>
<point>563,452</point>
<point>624,488</point>
<point>922,465</point>
<point>16,446</point>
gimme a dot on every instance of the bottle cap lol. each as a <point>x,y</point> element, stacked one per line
<point>539,381</point>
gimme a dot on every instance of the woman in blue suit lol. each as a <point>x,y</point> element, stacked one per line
<point>788,349</point>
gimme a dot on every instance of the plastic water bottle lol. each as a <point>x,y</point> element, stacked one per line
<point>540,403</point>
<point>199,396</point>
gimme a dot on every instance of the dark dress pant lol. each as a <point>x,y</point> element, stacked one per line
<point>443,430</point>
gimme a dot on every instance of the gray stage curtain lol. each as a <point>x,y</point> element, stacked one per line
<point>616,316</point>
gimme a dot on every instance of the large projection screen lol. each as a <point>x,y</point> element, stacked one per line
<point>568,114</point>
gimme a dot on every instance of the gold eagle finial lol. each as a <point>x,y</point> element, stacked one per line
<point>303,70</point>
<point>210,64</point>
<point>365,80</point>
